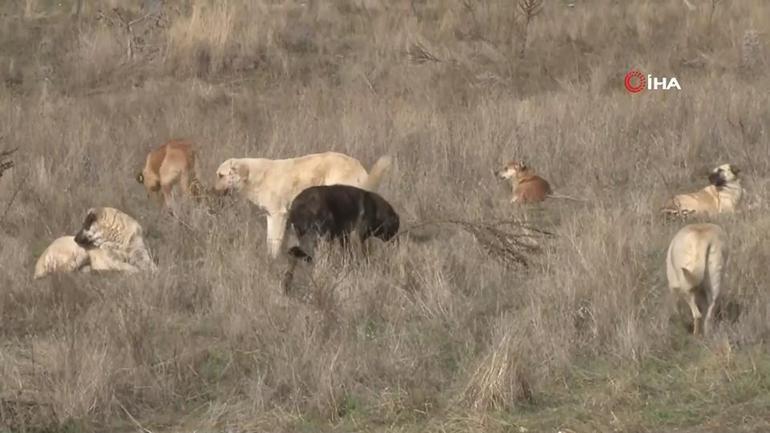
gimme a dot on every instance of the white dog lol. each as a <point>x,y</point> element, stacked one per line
<point>272,184</point>
<point>109,240</point>
<point>694,265</point>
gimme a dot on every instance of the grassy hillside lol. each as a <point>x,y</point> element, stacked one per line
<point>429,335</point>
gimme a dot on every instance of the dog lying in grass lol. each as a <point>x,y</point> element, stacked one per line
<point>527,187</point>
<point>109,240</point>
<point>723,195</point>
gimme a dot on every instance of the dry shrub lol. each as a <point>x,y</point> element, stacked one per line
<point>502,379</point>
<point>201,41</point>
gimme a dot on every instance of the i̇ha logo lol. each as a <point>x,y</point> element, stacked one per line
<point>636,82</point>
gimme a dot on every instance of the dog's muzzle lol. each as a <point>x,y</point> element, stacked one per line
<point>83,240</point>
<point>716,179</point>
<point>222,192</point>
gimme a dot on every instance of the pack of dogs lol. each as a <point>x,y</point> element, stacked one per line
<point>332,196</point>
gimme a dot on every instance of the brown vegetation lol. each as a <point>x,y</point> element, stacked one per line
<point>422,336</point>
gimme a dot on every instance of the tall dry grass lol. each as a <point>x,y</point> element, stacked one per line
<point>426,335</point>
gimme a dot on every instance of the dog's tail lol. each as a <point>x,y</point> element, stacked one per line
<point>670,207</point>
<point>197,189</point>
<point>566,197</point>
<point>379,168</point>
<point>695,269</point>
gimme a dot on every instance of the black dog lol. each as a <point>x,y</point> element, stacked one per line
<point>336,211</point>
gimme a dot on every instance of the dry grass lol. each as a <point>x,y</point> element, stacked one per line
<point>428,334</point>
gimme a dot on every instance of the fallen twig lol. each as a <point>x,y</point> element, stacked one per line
<point>509,248</point>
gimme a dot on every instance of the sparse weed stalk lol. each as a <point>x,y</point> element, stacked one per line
<point>529,9</point>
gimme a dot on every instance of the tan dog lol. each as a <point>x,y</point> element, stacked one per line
<point>527,186</point>
<point>170,164</point>
<point>109,240</point>
<point>118,234</point>
<point>695,262</point>
<point>272,184</point>
<point>723,195</point>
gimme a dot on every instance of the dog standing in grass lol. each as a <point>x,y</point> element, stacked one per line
<point>336,212</point>
<point>272,184</point>
<point>172,163</point>
<point>695,262</point>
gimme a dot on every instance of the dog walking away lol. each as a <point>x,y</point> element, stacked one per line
<point>272,184</point>
<point>527,186</point>
<point>172,163</point>
<point>695,263</point>
<point>723,195</point>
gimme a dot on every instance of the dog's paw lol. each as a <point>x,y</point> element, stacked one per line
<point>677,214</point>
<point>297,253</point>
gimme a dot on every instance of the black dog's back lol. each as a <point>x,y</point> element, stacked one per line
<point>335,211</point>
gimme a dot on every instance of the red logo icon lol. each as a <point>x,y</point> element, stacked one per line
<point>635,81</point>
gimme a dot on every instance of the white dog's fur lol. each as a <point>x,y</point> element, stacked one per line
<point>694,265</point>
<point>109,240</point>
<point>65,255</point>
<point>272,184</point>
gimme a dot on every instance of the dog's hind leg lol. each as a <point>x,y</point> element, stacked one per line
<point>710,295</point>
<point>697,317</point>
<point>168,177</point>
<point>184,183</point>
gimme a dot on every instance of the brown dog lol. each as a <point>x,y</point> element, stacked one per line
<point>723,195</point>
<point>527,186</point>
<point>167,165</point>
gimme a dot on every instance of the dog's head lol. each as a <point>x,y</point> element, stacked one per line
<point>512,170</point>
<point>723,175</point>
<point>231,176</point>
<point>387,221</point>
<point>91,234</point>
<point>300,254</point>
<point>106,225</point>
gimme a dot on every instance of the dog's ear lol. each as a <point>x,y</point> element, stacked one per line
<point>735,169</point>
<point>140,178</point>
<point>242,170</point>
<point>523,165</point>
<point>90,218</point>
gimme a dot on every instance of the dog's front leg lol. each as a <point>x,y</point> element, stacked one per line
<point>276,225</point>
